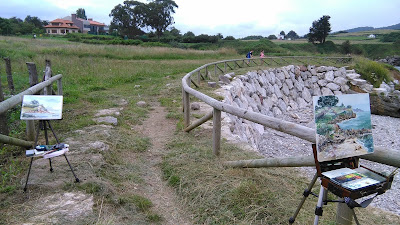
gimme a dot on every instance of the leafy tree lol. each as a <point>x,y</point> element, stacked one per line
<point>346,47</point>
<point>329,100</point>
<point>292,34</point>
<point>126,19</point>
<point>229,38</point>
<point>188,37</point>
<point>80,13</point>
<point>157,15</point>
<point>220,36</point>
<point>282,33</point>
<point>272,37</point>
<point>319,30</point>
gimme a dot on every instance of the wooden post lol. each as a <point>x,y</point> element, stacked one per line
<point>216,132</point>
<point>186,109</point>
<point>224,67</point>
<point>215,70</point>
<point>33,80</point>
<point>47,75</point>
<point>344,215</point>
<point>198,77</point>
<point>207,72</point>
<point>3,118</point>
<point>59,87</point>
<point>9,75</point>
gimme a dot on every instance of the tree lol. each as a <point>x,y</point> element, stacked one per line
<point>229,38</point>
<point>272,37</point>
<point>127,19</point>
<point>157,15</point>
<point>188,37</point>
<point>346,47</point>
<point>329,101</point>
<point>282,33</point>
<point>80,13</point>
<point>319,30</point>
<point>292,35</point>
<point>220,36</point>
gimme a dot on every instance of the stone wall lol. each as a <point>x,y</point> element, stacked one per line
<point>278,91</point>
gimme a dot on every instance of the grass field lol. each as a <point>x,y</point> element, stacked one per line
<point>94,77</point>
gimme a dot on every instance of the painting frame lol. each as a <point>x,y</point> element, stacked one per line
<point>41,107</point>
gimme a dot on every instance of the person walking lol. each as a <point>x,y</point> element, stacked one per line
<point>262,54</point>
<point>249,55</point>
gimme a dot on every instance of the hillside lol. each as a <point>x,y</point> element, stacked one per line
<point>359,29</point>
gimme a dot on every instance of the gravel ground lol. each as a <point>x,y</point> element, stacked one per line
<point>386,132</point>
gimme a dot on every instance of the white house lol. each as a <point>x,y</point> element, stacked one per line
<point>371,36</point>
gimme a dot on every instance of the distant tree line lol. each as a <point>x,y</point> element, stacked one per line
<point>16,26</point>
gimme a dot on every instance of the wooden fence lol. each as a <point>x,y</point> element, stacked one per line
<point>45,88</point>
<point>380,155</point>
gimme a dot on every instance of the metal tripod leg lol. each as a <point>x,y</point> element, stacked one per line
<point>318,209</point>
<point>76,178</point>
<point>29,172</point>
<point>306,193</point>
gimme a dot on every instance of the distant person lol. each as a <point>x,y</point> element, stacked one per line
<point>34,36</point>
<point>249,55</point>
<point>262,54</point>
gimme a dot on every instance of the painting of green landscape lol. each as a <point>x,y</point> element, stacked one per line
<point>343,126</point>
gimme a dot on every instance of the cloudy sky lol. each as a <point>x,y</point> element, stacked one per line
<point>237,18</point>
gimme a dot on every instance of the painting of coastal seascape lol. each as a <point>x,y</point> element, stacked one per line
<point>41,107</point>
<point>343,126</point>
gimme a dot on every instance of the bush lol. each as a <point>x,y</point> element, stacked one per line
<point>391,37</point>
<point>372,71</point>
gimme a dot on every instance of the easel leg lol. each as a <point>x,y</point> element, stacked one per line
<point>51,167</point>
<point>318,209</point>
<point>306,193</point>
<point>76,178</point>
<point>29,172</point>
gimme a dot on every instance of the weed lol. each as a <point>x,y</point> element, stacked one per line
<point>371,71</point>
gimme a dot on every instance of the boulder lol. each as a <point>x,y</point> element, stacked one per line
<point>212,84</point>
<point>352,76</point>
<point>141,104</point>
<point>195,106</point>
<point>329,76</point>
<point>326,91</point>
<point>385,105</point>
<point>333,86</point>
<point>340,80</point>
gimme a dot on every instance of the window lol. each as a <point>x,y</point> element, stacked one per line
<point>63,31</point>
<point>54,31</point>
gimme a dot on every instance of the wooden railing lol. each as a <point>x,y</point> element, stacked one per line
<point>380,155</point>
<point>17,99</point>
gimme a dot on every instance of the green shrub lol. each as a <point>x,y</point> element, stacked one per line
<point>372,71</point>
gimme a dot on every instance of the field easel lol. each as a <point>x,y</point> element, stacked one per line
<point>44,124</point>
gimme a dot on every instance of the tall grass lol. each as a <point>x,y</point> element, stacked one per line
<point>372,71</point>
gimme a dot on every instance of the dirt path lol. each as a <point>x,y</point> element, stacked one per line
<point>159,130</point>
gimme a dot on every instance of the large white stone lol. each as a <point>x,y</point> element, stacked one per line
<point>322,83</point>
<point>289,83</point>
<point>271,78</point>
<point>301,103</point>
<point>277,91</point>
<point>358,82</point>
<point>329,76</point>
<point>352,76</point>
<point>367,87</point>
<point>337,93</point>
<point>306,95</point>
<point>340,80</point>
<point>276,111</point>
<point>282,105</point>
<point>285,89</point>
<point>317,91</point>
<point>333,86</point>
<point>326,91</point>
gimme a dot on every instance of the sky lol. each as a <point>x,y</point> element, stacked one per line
<point>236,18</point>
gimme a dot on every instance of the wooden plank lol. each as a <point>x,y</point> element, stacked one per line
<point>272,162</point>
<point>194,83</point>
<point>15,141</point>
<point>216,132</point>
<point>200,121</point>
<point>186,108</point>
<point>17,99</point>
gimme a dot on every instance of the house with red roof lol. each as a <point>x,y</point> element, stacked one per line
<point>73,24</point>
<point>87,26</point>
<point>61,27</point>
